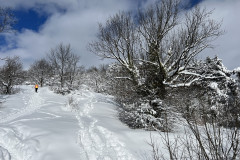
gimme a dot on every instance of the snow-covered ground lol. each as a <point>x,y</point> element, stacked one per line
<point>41,126</point>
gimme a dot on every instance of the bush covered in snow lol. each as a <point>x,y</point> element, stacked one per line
<point>217,90</point>
<point>150,115</point>
<point>214,87</point>
<point>95,78</point>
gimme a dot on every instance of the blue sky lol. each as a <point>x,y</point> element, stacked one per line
<point>31,19</point>
<point>42,24</point>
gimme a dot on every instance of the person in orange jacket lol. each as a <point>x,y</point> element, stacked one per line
<point>36,88</point>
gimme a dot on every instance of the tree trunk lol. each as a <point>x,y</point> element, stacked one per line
<point>41,82</point>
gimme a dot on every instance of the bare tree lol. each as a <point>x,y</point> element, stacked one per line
<point>72,68</point>
<point>63,62</point>
<point>40,70</point>
<point>155,50</point>
<point>171,45</point>
<point>6,20</point>
<point>158,39</point>
<point>207,141</point>
<point>11,73</point>
<point>118,40</point>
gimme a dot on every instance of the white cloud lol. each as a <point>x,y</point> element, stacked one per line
<point>77,26</point>
<point>227,47</point>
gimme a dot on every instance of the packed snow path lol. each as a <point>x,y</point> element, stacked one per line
<point>34,127</point>
<point>40,126</point>
<point>96,141</point>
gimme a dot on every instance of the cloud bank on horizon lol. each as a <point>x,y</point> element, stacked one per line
<point>75,22</point>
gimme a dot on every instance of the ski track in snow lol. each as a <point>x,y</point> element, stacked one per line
<point>32,104</point>
<point>16,145</point>
<point>13,145</point>
<point>97,142</point>
<point>4,154</point>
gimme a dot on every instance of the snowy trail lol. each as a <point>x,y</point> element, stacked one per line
<point>33,126</point>
<point>97,141</point>
<point>31,105</point>
<point>11,135</point>
<point>41,126</point>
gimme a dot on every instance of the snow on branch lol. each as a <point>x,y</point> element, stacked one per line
<point>128,78</point>
<point>4,59</point>
<point>182,84</point>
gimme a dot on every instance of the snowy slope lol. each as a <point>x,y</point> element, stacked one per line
<point>34,127</point>
<point>40,126</point>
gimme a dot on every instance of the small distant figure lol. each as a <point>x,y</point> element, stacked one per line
<point>36,88</point>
